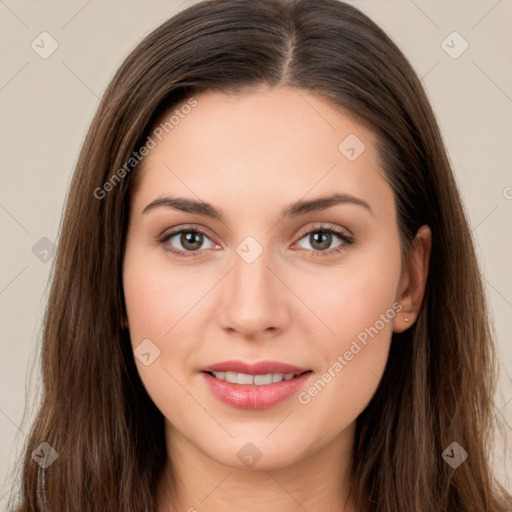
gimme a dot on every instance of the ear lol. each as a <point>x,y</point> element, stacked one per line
<point>411,288</point>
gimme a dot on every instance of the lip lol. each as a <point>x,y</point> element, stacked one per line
<point>252,396</point>
<point>260,368</point>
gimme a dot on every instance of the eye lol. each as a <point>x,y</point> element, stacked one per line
<point>185,240</point>
<point>321,238</point>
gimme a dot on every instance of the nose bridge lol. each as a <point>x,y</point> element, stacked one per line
<point>251,278</point>
<point>250,266</point>
<point>252,301</point>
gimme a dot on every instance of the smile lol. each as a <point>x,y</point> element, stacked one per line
<point>258,380</point>
<point>260,391</point>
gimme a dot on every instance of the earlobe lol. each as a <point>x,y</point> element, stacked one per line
<point>414,281</point>
<point>402,322</point>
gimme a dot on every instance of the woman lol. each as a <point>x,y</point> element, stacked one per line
<point>266,294</point>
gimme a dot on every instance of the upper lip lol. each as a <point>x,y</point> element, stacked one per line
<point>259,368</point>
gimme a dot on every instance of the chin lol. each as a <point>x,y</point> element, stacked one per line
<point>258,453</point>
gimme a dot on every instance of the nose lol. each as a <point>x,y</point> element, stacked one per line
<point>255,303</point>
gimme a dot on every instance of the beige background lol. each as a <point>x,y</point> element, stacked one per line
<point>47,105</point>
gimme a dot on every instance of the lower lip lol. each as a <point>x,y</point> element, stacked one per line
<point>251,396</point>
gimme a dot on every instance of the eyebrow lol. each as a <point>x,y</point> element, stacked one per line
<point>295,209</point>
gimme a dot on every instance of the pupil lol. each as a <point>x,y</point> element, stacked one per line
<point>323,244</point>
<point>187,240</point>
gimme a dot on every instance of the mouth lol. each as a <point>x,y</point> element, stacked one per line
<point>254,386</point>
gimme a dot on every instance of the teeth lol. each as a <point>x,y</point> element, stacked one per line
<point>263,379</point>
<point>230,377</point>
<point>242,378</point>
<point>258,380</point>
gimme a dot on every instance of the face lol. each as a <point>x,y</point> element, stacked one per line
<point>257,278</point>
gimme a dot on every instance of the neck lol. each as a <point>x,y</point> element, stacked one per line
<point>320,481</point>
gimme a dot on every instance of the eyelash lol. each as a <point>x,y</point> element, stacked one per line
<point>346,239</point>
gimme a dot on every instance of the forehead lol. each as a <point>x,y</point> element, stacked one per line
<point>260,147</point>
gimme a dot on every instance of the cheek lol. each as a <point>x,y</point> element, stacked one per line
<point>160,309</point>
<point>157,295</point>
<point>164,304</point>
<point>359,307</point>
<point>356,294</point>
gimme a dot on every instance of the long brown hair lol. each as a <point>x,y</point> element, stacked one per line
<point>439,382</point>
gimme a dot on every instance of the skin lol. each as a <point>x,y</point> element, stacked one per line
<point>250,155</point>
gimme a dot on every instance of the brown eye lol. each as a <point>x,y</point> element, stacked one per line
<point>191,240</point>
<point>320,241</point>
<point>183,242</point>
